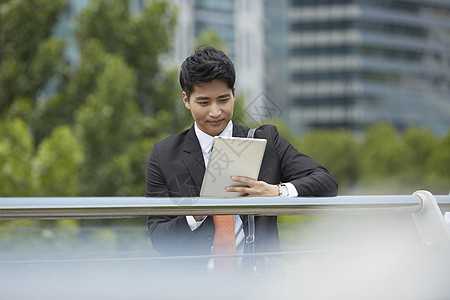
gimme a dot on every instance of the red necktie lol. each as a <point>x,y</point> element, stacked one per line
<point>224,243</point>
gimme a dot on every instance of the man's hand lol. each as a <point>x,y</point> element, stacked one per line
<point>254,188</point>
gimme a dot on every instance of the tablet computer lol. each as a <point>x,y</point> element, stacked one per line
<point>231,156</point>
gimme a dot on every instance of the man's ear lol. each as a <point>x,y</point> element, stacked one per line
<point>186,100</point>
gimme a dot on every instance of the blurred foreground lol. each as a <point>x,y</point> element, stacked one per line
<point>326,257</point>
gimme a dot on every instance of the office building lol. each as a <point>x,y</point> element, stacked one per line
<point>357,62</point>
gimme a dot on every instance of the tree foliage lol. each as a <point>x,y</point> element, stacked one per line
<point>337,150</point>
<point>384,153</point>
<point>85,128</point>
<point>57,164</point>
<point>139,39</point>
<point>438,163</point>
<point>16,154</point>
<point>29,56</point>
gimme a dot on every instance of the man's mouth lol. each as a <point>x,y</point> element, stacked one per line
<point>215,123</point>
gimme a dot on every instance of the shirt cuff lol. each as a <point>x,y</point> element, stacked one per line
<point>193,224</point>
<point>291,189</point>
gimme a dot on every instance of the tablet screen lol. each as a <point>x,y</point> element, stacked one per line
<point>232,156</point>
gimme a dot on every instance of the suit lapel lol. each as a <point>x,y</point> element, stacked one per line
<point>193,158</point>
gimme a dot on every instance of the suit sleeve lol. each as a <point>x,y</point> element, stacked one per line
<point>155,184</point>
<point>171,235</point>
<point>309,177</point>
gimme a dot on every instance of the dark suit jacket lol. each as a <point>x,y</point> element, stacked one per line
<point>176,168</point>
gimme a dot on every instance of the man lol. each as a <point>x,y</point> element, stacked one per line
<point>177,164</point>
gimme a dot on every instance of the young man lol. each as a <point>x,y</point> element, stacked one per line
<point>177,164</point>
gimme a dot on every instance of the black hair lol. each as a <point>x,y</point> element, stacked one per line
<point>205,65</point>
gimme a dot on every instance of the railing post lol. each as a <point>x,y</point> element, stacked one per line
<point>430,223</point>
<point>435,235</point>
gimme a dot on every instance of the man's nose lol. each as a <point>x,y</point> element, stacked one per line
<point>215,110</point>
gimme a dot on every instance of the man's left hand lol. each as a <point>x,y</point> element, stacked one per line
<point>253,187</point>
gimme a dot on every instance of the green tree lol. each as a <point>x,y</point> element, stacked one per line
<point>16,153</point>
<point>133,100</point>
<point>108,27</point>
<point>78,83</point>
<point>125,169</point>
<point>29,57</point>
<point>106,123</point>
<point>170,116</point>
<point>383,152</point>
<point>337,150</point>
<point>419,146</point>
<point>438,166</point>
<point>117,99</point>
<point>139,38</point>
<point>57,162</point>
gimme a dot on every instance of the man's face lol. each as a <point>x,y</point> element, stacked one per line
<point>211,105</point>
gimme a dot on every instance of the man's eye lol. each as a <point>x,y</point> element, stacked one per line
<point>203,102</point>
<point>224,100</point>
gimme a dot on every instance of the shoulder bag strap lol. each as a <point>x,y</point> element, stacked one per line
<point>250,239</point>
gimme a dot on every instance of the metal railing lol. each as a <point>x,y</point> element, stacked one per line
<point>425,208</point>
<point>124,207</point>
